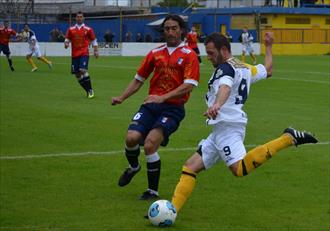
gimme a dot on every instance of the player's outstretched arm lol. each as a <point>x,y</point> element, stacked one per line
<point>132,87</point>
<point>268,42</point>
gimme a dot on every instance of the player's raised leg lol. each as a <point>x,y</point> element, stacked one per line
<point>259,155</point>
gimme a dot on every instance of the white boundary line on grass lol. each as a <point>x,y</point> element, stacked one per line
<point>275,78</point>
<point>302,80</point>
<point>115,152</point>
<point>136,67</point>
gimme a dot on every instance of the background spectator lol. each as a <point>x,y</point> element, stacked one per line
<point>128,36</point>
<point>148,38</point>
<point>108,36</point>
<point>139,38</point>
<point>54,33</point>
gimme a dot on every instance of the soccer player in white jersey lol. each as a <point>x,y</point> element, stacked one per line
<point>228,89</point>
<point>246,40</point>
<point>34,49</point>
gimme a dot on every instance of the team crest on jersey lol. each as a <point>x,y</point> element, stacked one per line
<point>185,50</point>
<point>218,73</point>
<point>164,119</point>
<point>180,60</point>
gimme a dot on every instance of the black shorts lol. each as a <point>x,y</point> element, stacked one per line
<point>155,115</point>
<point>4,49</point>
<point>79,63</point>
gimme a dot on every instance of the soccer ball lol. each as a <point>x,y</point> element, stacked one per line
<point>162,213</point>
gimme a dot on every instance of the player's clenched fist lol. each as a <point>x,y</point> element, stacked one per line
<point>116,100</point>
<point>268,38</point>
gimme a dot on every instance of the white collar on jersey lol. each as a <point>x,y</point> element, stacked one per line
<point>172,49</point>
<point>80,26</point>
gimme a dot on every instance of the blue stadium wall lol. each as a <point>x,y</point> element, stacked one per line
<point>100,27</point>
<point>134,26</point>
<point>210,20</point>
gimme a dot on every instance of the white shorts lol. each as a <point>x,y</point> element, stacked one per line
<point>224,143</point>
<point>35,51</point>
<point>247,48</point>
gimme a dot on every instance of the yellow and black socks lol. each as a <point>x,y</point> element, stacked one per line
<point>132,156</point>
<point>153,171</point>
<point>253,58</point>
<point>259,155</point>
<point>184,188</point>
<point>30,61</point>
<point>43,59</point>
<point>243,58</point>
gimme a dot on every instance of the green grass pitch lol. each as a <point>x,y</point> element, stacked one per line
<point>72,150</point>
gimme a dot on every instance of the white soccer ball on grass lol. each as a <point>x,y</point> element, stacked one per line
<point>162,213</point>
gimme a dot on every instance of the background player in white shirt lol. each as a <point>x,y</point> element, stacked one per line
<point>33,49</point>
<point>228,89</point>
<point>246,39</point>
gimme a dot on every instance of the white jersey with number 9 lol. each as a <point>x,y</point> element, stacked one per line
<point>238,76</point>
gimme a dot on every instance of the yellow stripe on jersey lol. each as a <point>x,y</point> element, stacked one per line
<point>252,68</point>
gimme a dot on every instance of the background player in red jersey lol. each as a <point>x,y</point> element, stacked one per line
<point>192,39</point>
<point>175,73</point>
<point>80,36</point>
<point>5,34</point>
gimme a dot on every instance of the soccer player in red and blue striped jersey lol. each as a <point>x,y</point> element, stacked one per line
<point>5,34</point>
<point>80,37</point>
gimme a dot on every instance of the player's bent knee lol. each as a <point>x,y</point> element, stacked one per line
<point>132,138</point>
<point>150,146</point>
<point>195,163</point>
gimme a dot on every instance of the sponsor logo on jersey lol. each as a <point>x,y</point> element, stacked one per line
<point>164,119</point>
<point>180,60</point>
<point>185,50</point>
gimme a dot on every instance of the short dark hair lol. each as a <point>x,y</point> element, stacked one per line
<point>219,41</point>
<point>79,12</point>
<point>176,18</point>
